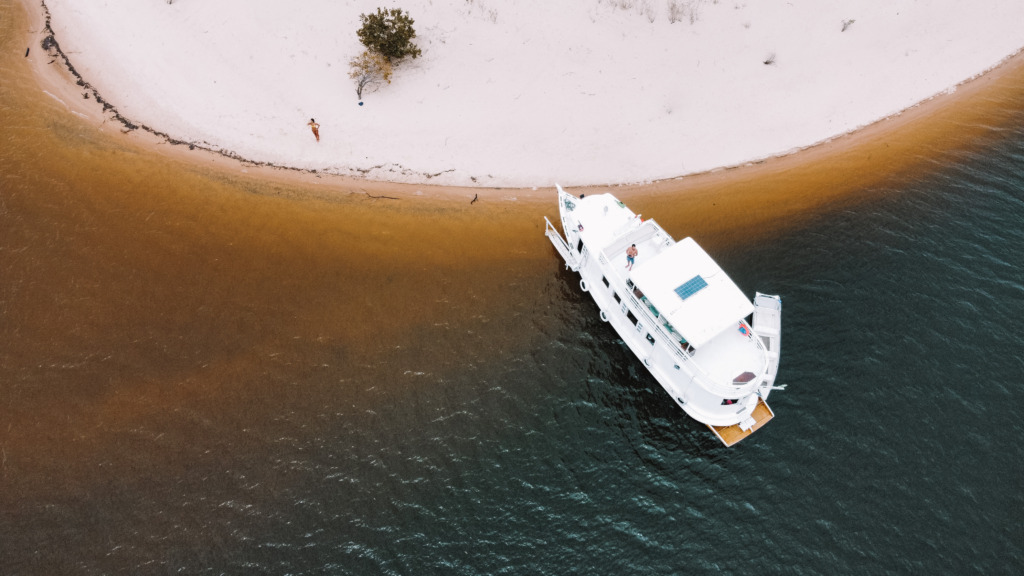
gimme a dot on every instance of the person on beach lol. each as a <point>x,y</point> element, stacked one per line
<point>316,128</point>
<point>631,253</point>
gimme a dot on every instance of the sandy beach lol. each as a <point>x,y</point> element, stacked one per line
<point>784,187</point>
<point>593,93</point>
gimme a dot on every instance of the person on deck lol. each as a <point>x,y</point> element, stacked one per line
<point>631,253</point>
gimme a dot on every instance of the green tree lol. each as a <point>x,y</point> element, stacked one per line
<point>389,33</point>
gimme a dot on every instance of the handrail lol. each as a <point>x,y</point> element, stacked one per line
<point>563,249</point>
<point>627,234</point>
<point>703,378</point>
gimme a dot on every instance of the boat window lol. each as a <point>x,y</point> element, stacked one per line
<point>616,294</point>
<point>579,247</point>
<point>729,401</point>
<point>605,280</point>
<point>631,317</point>
<point>650,339</point>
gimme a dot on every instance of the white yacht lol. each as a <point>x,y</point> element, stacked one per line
<point>714,351</point>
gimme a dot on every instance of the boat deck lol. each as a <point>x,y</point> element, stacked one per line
<point>729,355</point>
<point>730,435</point>
<point>648,244</point>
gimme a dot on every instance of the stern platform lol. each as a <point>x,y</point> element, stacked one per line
<point>730,435</point>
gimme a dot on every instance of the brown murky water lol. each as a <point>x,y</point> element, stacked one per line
<point>151,300</point>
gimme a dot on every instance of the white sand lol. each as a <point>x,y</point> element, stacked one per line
<point>530,92</point>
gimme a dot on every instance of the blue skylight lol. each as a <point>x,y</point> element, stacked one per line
<point>691,287</point>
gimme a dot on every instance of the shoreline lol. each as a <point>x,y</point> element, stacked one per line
<point>66,86</point>
<point>480,110</point>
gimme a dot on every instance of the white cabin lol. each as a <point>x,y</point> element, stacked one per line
<point>678,311</point>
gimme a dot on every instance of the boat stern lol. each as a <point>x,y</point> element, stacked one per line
<point>730,435</point>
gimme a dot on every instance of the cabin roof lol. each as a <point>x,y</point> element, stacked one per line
<point>603,217</point>
<point>691,291</point>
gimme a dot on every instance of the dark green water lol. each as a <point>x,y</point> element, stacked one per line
<point>201,376</point>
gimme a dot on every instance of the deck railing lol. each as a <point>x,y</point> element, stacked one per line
<point>705,380</point>
<point>552,233</point>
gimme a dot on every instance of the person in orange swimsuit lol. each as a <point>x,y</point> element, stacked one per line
<point>316,128</point>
